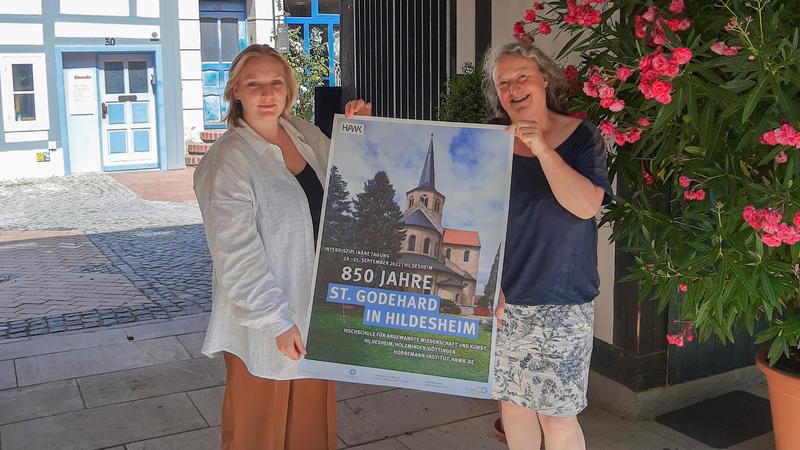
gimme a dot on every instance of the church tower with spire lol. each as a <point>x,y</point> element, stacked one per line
<point>453,255</point>
<point>425,194</point>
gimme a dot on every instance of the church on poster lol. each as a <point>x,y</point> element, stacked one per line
<point>453,254</point>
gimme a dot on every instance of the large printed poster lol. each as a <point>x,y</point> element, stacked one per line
<point>408,260</point>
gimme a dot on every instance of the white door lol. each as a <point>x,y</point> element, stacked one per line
<point>128,111</point>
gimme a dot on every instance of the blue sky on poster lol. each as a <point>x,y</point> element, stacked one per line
<point>471,166</point>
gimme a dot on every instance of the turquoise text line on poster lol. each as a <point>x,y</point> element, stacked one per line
<point>402,310</point>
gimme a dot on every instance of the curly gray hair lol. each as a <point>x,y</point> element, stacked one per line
<point>556,81</point>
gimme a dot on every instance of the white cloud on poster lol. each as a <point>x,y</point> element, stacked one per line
<point>465,158</point>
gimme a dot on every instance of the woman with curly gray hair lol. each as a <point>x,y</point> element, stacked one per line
<point>545,311</point>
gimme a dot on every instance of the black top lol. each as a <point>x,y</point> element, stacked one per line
<point>551,255</point>
<point>313,189</point>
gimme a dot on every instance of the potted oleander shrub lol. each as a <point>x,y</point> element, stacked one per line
<point>700,103</point>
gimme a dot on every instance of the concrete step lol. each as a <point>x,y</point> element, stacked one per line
<point>211,135</point>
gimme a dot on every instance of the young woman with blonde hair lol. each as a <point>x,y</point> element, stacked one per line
<point>260,190</point>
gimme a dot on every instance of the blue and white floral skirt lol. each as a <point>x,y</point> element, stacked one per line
<point>542,356</point>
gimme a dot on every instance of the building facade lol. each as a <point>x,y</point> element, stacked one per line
<point>113,85</point>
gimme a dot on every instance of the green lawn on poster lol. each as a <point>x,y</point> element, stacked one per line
<point>328,342</point>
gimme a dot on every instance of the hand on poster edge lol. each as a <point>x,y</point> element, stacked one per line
<point>357,107</point>
<point>531,135</point>
<point>290,343</point>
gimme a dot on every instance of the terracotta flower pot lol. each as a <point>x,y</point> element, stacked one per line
<point>784,399</point>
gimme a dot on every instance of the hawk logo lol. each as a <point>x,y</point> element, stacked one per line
<point>353,128</point>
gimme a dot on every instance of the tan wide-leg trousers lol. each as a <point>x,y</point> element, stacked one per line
<point>263,414</point>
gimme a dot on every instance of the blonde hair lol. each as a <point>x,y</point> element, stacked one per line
<point>235,110</point>
<point>556,91</point>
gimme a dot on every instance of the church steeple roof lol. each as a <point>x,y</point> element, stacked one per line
<point>428,178</point>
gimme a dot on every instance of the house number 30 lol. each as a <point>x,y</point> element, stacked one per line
<point>111,41</point>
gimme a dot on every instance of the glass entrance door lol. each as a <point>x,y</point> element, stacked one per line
<point>222,37</point>
<point>127,111</point>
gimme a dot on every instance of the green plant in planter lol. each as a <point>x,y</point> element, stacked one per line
<point>462,98</point>
<point>700,103</point>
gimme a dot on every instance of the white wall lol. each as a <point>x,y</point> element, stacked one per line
<point>465,33</point>
<point>33,7</point>
<point>261,17</point>
<point>191,69</point>
<point>21,34</point>
<point>96,7</point>
<point>15,164</point>
<point>507,12</point>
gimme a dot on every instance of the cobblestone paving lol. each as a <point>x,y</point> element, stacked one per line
<point>94,203</point>
<point>139,260</point>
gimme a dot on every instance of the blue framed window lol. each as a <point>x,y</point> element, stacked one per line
<point>322,14</point>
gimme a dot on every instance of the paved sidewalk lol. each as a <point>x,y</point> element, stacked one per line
<point>104,299</point>
<point>146,386</point>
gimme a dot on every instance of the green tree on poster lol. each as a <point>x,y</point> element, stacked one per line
<point>487,298</point>
<point>377,217</point>
<point>338,212</point>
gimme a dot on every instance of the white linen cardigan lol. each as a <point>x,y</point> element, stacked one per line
<point>259,231</point>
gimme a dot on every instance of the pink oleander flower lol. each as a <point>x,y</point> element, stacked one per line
<point>768,138</point>
<point>529,16</point>
<point>544,28</point>
<point>623,73</point>
<point>788,234</point>
<point>675,339</point>
<point>781,157</point>
<point>644,122</point>
<point>749,214</point>
<point>694,195</point>
<point>786,135</point>
<point>722,48</point>
<point>519,28</point>
<point>648,179</point>
<point>639,27</point>
<point>796,220</point>
<point>607,128</point>
<point>676,6</point>
<point>538,6</point>
<point>607,92</point>
<point>650,14</point>
<point>659,62</point>
<point>684,181</point>
<point>633,135</point>
<point>583,15</point>
<point>590,90</point>
<point>661,91</point>
<point>771,240</point>
<point>617,106</point>
<point>681,55</point>
<point>571,72</point>
<point>683,287</point>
